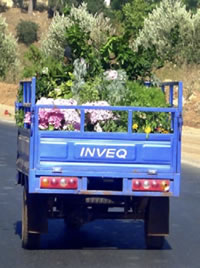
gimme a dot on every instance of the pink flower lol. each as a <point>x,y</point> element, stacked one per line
<point>27,118</point>
<point>58,118</point>
<point>72,118</point>
<point>43,118</point>
<point>55,118</point>
<point>98,115</point>
<point>68,119</point>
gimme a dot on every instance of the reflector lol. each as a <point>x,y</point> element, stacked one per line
<point>58,182</point>
<point>150,185</point>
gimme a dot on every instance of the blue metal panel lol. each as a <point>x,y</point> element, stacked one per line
<point>53,150</point>
<point>105,151</point>
<point>157,152</point>
<point>106,170</point>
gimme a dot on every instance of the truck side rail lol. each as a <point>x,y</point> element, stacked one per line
<point>174,111</point>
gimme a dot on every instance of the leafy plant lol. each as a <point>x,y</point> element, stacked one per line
<point>138,95</point>
<point>78,41</point>
<point>62,91</point>
<point>113,86</point>
<point>142,96</point>
<point>134,14</point>
<point>27,32</point>
<point>50,73</point>
<point>89,91</point>
<point>19,118</point>
<point>117,54</point>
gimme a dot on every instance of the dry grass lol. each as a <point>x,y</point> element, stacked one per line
<point>13,17</point>
<point>188,74</point>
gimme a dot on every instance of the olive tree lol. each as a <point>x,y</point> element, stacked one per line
<point>169,29</point>
<point>8,50</point>
<point>97,26</point>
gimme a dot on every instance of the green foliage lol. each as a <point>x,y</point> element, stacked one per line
<point>119,124</point>
<point>8,51</point>
<point>192,4</point>
<point>168,29</point>
<point>89,91</point>
<point>33,61</point>
<point>97,28</point>
<point>61,6</point>
<point>20,95</point>
<point>19,118</point>
<point>79,75</point>
<point>192,48</point>
<point>138,95</point>
<point>27,32</point>
<point>62,91</point>
<point>113,89</point>
<point>134,14</point>
<point>95,6</point>
<point>117,5</point>
<point>51,76</point>
<point>78,41</point>
<point>50,73</point>
<point>117,54</point>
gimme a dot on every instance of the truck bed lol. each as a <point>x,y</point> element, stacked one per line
<point>87,155</point>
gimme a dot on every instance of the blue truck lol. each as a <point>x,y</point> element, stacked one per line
<point>81,176</point>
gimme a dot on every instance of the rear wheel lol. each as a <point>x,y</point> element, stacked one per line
<point>29,240</point>
<point>156,225</point>
<point>155,242</point>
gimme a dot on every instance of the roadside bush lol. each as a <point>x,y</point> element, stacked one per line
<point>3,6</point>
<point>134,14</point>
<point>173,32</point>
<point>169,29</point>
<point>96,26</point>
<point>193,48</point>
<point>8,51</point>
<point>27,32</point>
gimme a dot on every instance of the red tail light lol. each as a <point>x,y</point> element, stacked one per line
<point>59,183</point>
<point>150,185</point>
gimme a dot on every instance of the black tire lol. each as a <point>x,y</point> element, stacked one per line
<point>156,222</point>
<point>73,226</point>
<point>155,242</point>
<point>29,240</point>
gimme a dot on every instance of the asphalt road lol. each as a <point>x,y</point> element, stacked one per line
<point>99,244</point>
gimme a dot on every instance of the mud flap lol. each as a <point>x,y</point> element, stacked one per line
<point>157,216</point>
<point>37,213</point>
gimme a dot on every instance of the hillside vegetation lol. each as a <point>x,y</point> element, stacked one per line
<point>136,36</point>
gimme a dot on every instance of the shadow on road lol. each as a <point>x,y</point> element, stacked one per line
<point>97,235</point>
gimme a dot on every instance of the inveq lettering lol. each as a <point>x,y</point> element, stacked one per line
<point>104,153</point>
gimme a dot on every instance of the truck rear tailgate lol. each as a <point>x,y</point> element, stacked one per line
<point>105,157</point>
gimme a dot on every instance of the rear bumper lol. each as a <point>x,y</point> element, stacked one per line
<point>126,184</point>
